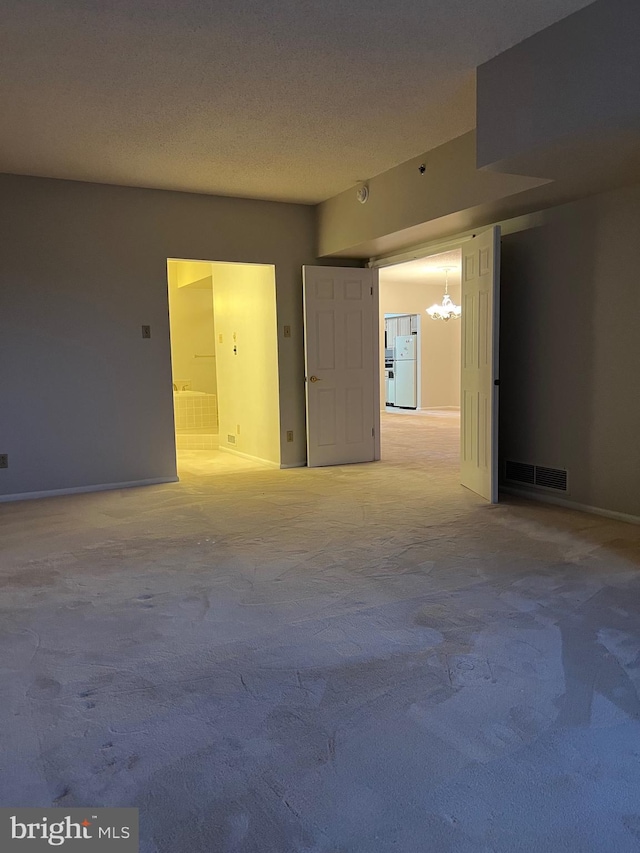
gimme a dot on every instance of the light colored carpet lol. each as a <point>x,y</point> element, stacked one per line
<point>215,462</point>
<point>358,660</point>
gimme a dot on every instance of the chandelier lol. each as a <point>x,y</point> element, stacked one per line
<point>446,310</point>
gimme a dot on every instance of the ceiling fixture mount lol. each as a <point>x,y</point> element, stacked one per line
<point>446,310</point>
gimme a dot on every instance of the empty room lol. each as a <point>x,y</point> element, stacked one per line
<point>319,505</point>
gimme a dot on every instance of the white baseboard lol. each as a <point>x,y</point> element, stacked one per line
<point>79,490</point>
<point>552,499</point>
<point>393,409</point>
<point>252,458</point>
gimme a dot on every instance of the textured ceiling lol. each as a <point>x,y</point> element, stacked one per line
<point>292,100</point>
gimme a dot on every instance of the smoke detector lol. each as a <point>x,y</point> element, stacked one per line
<point>362,193</point>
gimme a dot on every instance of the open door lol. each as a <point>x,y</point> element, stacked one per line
<point>479,381</point>
<point>341,354</point>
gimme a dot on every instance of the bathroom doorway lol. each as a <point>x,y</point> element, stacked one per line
<point>224,361</point>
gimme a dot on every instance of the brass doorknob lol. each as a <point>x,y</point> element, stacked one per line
<point>314,379</point>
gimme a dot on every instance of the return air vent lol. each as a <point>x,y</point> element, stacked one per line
<point>231,439</point>
<point>551,478</point>
<point>536,475</point>
<point>520,472</point>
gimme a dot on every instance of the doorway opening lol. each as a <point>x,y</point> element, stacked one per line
<point>420,373</point>
<point>224,363</point>
<point>345,354</point>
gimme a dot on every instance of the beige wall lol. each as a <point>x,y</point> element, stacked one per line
<point>247,357</point>
<point>84,399</point>
<point>569,353</point>
<point>402,199</point>
<point>192,328</point>
<point>439,342</point>
<point>579,76</point>
<point>561,105</point>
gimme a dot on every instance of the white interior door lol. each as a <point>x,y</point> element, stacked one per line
<point>341,355</point>
<point>479,391</point>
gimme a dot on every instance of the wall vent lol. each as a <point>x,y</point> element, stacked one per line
<point>551,478</point>
<point>231,439</point>
<point>539,476</point>
<point>520,472</point>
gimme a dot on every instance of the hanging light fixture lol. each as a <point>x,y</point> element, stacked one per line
<point>446,310</point>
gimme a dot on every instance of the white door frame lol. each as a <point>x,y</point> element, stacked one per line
<point>376,361</point>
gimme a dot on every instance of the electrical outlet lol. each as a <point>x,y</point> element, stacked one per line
<point>237,429</point>
<point>4,460</point>
<point>146,331</point>
<point>289,435</point>
<point>287,331</point>
<point>220,339</point>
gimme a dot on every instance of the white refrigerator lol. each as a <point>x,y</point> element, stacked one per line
<point>406,372</point>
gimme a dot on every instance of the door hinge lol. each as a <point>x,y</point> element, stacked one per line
<point>372,290</point>
<point>373,431</point>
